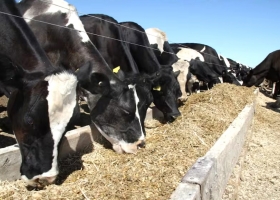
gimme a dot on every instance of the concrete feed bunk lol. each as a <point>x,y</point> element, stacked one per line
<point>156,171</point>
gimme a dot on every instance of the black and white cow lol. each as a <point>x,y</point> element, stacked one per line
<point>204,73</point>
<point>70,47</point>
<point>269,68</point>
<point>118,56</point>
<point>239,70</point>
<point>166,56</point>
<point>210,56</point>
<point>217,62</point>
<point>43,102</point>
<point>166,89</point>
<point>188,80</point>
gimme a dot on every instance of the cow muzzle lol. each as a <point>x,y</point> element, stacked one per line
<point>172,117</point>
<point>123,147</point>
<point>38,183</point>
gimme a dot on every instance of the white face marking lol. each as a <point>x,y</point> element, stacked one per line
<point>188,54</point>
<point>203,49</point>
<point>225,60</point>
<point>55,6</point>
<point>61,104</point>
<point>137,111</point>
<point>273,87</point>
<point>112,82</point>
<point>156,36</point>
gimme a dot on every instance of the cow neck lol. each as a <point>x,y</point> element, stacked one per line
<point>28,55</point>
<point>116,53</point>
<point>263,68</point>
<point>144,57</point>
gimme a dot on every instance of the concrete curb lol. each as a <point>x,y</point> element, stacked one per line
<point>208,177</point>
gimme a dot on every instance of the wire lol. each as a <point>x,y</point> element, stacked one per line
<point>123,26</point>
<point>65,27</point>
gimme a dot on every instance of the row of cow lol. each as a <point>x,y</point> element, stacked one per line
<point>46,69</point>
<point>50,58</point>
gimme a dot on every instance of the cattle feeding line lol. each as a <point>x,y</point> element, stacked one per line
<point>75,10</point>
<point>65,27</point>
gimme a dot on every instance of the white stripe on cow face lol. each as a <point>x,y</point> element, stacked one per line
<point>61,104</point>
<point>224,59</point>
<point>203,49</point>
<point>56,6</point>
<point>137,111</point>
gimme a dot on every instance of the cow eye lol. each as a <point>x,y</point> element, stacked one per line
<point>29,120</point>
<point>100,83</point>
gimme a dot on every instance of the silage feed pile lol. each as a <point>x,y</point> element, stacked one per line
<point>154,172</point>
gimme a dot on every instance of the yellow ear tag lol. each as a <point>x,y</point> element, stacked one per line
<point>158,88</point>
<point>116,69</point>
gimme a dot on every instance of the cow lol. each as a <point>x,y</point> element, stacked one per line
<point>204,73</point>
<point>117,55</point>
<point>166,90</point>
<point>43,101</point>
<point>229,77</point>
<point>239,70</point>
<point>67,44</point>
<point>210,56</point>
<point>269,69</point>
<point>187,80</point>
<point>166,56</point>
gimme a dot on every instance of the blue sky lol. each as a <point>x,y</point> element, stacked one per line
<point>244,30</point>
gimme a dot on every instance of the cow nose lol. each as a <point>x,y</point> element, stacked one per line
<point>141,145</point>
<point>47,180</point>
<point>173,117</point>
<point>40,183</point>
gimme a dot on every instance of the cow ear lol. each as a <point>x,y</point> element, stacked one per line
<point>83,72</point>
<point>176,74</point>
<point>14,102</point>
<point>119,73</point>
<point>116,69</point>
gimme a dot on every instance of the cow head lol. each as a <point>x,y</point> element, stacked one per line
<point>166,91</point>
<point>118,120</point>
<point>39,116</point>
<point>252,79</point>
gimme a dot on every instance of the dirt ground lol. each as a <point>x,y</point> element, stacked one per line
<point>6,136</point>
<point>257,173</point>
